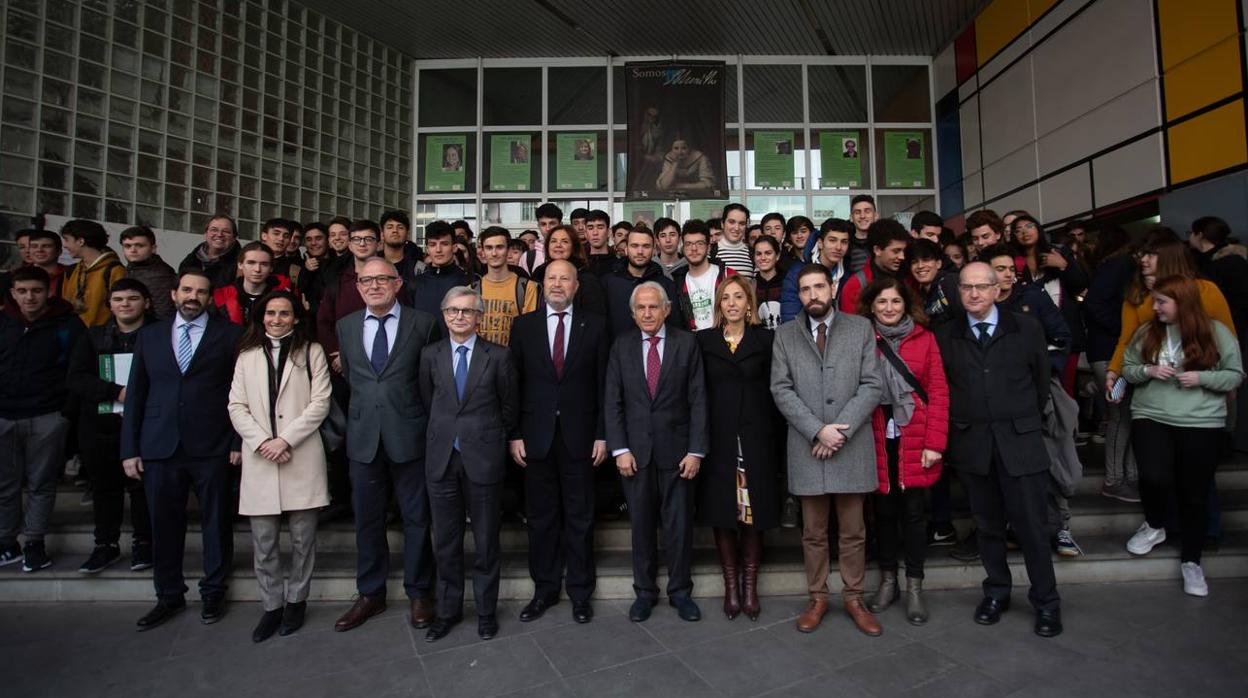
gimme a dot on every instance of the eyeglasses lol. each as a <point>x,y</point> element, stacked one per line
<point>458,312</point>
<point>981,288</point>
<point>375,280</point>
<point>362,239</point>
<point>696,243</point>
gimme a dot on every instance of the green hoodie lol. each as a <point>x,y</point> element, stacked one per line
<point>1168,402</point>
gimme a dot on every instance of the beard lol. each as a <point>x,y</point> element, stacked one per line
<point>817,309</point>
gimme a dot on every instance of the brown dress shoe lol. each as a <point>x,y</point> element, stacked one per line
<point>423,612</point>
<point>863,618</point>
<point>812,616</point>
<point>363,609</point>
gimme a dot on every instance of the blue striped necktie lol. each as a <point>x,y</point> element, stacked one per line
<point>185,350</point>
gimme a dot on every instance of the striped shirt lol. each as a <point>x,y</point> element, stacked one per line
<point>737,256</point>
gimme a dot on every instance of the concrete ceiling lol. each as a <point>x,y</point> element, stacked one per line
<point>559,28</point>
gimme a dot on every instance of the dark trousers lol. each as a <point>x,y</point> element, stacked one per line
<point>168,483</point>
<point>109,486</point>
<point>451,498</point>
<point>560,509</point>
<point>899,520</point>
<point>942,498</point>
<point>996,498</point>
<point>1176,462</point>
<point>660,497</point>
<point>338,468</point>
<point>371,485</point>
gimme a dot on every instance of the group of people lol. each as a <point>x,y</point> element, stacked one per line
<point>735,378</point>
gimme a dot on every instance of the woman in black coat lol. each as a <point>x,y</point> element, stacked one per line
<point>737,493</point>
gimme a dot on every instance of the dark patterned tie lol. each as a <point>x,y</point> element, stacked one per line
<point>557,355</point>
<point>381,345</point>
<point>821,340</point>
<point>983,335</point>
<point>653,365</point>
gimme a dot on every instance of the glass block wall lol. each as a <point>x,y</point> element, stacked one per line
<point>166,111</point>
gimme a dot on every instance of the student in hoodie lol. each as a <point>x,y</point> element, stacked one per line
<point>217,255</point>
<point>937,287</point>
<point>639,268</point>
<point>396,244</point>
<point>667,244</point>
<point>697,283</point>
<point>99,431</point>
<point>37,334</point>
<point>277,234</point>
<point>441,273</point>
<point>87,282</point>
<point>138,245</point>
<point>768,281</point>
<point>862,213</point>
<point>827,248</point>
<point>889,241</point>
<point>255,279</point>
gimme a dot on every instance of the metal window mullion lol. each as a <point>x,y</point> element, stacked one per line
<point>480,154</point>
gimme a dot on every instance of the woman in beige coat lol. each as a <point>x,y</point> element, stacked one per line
<point>278,400</point>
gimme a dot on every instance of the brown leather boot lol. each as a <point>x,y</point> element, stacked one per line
<point>862,617</point>
<point>752,547</point>
<point>812,616</point>
<point>726,546</point>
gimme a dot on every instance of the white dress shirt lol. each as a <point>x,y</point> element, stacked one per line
<point>370,329</point>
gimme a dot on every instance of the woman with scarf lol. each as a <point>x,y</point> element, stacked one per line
<point>278,400</point>
<point>911,427</point>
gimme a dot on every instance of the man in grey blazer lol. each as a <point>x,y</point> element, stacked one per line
<point>380,352</point>
<point>825,376</point>
<point>469,387</point>
<point>657,431</point>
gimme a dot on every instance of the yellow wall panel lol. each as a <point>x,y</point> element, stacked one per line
<point>1035,8</point>
<point>1208,143</point>
<point>1204,79</point>
<point>997,25</point>
<point>1189,26</point>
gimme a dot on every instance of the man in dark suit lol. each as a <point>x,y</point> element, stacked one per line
<point>380,351</point>
<point>469,388</point>
<point>560,353</point>
<point>176,434</point>
<point>998,369</point>
<point>655,414</point>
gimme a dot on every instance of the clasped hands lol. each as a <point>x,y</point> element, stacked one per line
<point>828,441</point>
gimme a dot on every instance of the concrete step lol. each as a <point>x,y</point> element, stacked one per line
<point>1105,560</point>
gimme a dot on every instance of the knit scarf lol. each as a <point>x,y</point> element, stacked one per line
<point>897,392</point>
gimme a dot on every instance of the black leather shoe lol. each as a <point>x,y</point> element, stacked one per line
<point>163,611</point>
<point>582,612</point>
<point>686,608</point>
<point>269,623</point>
<point>214,610</point>
<point>535,609</point>
<point>639,612</point>
<point>487,626</point>
<point>989,610</point>
<point>292,618</point>
<point>1049,623</point>
<point>441,627</point>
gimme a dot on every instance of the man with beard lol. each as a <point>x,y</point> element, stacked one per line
<point>889,241</point>
<point>397,247</point>
<point>217,255</point>
<point>176,435</point>
<point>640,268</point>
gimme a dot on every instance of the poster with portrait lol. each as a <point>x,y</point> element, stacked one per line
<point>840,159</point>
<point>644,212</point>
<point>773,159</point>
<point>511,167</point>
<point>576,161</point>
<point>905,160</point>
<point>444,162</point>
<point>675,130</point>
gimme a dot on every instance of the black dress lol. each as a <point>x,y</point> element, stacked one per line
<point>738,391</point>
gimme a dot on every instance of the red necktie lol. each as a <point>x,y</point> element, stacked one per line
<point>557,355</point>
<point>652,366</point>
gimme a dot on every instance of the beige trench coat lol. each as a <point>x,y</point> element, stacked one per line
<point>301,483</point>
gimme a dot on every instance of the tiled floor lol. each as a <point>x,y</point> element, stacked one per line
<point>1138,639</point>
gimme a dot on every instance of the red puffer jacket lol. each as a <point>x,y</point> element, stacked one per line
<point>929,425</point>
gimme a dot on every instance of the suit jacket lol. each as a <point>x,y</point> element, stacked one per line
<point>997,394</point>
<point>674,423</point>
<point>575,397</point>
<point>165,408</point>
<point>482,420</point>
<point>840,387</point>
<point>387,407</point>
<point>268,488</point>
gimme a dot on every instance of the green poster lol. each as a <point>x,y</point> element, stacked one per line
<point>705,209</point>
<point>905,162</point>
<point>576,161</point>
<point>840,157</point>
<point>773,159</point>
<point>511,164</point>
<point>444,162</point>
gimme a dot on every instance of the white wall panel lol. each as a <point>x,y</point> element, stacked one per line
<point>968,88</point>
<point>1055,16</point>
<point>1003,59</point>
<point>968,120</point>
<point>1012,171</point>
<point>1025,200</point>
<point>973,191</point>
<point>1131,114</point>
<point>944,73</point>
<point>1129,171</point>
<point>1066,194</point>
<point>1006,108</point>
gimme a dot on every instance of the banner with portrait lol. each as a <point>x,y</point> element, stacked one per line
<point>444,162</point>
<point>510,164</point>
<point>675,130</point>
<point>576,161</point>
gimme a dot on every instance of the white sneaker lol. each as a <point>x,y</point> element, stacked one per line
<point>1145,539</point>
<point>1194,579</point>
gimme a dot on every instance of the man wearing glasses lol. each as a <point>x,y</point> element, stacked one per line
<point>379,349</point>
<point>998,368</point>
